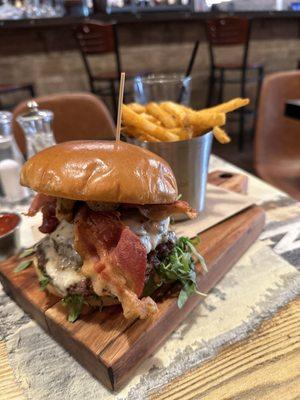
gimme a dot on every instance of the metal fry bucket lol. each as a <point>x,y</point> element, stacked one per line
<point>189,162</point>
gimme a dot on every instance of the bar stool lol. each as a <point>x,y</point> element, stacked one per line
<point>231,31</point>
<point>12,88</point>
<point>95,39</point>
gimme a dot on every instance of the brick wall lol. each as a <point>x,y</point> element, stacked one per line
<point>57,71</point>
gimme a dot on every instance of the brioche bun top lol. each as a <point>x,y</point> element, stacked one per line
<point>104,171</point>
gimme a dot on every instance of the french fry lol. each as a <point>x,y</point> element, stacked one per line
<point>201,121</point>
<point>176,111</point>
<point>159,113</point>
<point>131,131</point>
<point>131,118</point>
<point>148,138</point>
<point>221,135</point>
<point>183,133</point>
<point>151,118</point>
<point>136,107</point>
<point>229,106</point>
<point>169,121</point>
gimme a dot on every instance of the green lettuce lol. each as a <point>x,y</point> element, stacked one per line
<point>74,303</point>
<point>43,281</point>
<point>179,266</point>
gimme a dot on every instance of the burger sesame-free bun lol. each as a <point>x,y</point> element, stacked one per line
<point>104,171</point>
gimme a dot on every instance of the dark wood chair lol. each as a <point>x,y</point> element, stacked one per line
<point>277,137</point>
<point>231,31</point>
<point>13,88</point>
<point>77,116</point>
<point>94,39</point>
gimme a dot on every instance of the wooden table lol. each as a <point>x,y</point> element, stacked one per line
<point>264,365</point>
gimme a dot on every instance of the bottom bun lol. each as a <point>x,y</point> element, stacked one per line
<point>102,302</point>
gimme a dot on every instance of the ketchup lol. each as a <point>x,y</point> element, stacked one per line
<point>8,222</point>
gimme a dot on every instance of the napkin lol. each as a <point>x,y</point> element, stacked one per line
<point>220,205</point>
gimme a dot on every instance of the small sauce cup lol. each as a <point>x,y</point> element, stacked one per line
<point>9,234</point>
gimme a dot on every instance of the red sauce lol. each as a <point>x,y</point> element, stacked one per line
<point>8,222</point>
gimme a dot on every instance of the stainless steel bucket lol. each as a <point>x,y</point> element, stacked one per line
<point>189,161</point>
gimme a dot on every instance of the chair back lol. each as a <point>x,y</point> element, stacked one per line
<point>77,116</point>
<point>96,38</point>
<point>277,138</point>
<point>227,31</point>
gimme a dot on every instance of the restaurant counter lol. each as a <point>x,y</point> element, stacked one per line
<point>150,16</point>
<point>21,36</point>
<point>46,53</point>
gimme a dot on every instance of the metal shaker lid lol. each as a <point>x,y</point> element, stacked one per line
<point>34,114</point>
<point>5,117</point>
<point>5,123</point>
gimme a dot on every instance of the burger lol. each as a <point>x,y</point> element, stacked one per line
<point>106,209</point>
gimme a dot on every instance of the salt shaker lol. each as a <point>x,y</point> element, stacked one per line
<point>36,125</point>
<point>8,145</point>
<point>11,161</point>
<point>10,182</point>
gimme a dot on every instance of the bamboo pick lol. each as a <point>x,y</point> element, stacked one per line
<point>120,103</point>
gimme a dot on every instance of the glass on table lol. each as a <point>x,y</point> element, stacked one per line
<point>163,87</point>
<point>37,128</point>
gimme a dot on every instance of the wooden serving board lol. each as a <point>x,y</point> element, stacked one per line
<point>107,344</point>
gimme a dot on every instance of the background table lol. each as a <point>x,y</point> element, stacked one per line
<point>262,364</point>
<point>292,109</point>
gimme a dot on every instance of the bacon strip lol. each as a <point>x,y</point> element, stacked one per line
<point>40,200</point>
<point>47,204</point>
<point>157,212</point>
<point>114,260</point>
<point>50,222</point>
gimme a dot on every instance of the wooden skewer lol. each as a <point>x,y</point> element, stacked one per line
<point>121,94</point>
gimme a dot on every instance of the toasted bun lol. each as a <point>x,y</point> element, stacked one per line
<point>105,171</point>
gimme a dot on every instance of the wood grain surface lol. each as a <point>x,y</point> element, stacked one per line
<point>121,344</point>
<point>236,182</point>
<point>265,366</point>
<point>9,389</point>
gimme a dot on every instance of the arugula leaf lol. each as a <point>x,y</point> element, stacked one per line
<point>182,298</point>
<point>195,240</point>
<point>22,266</point>
<point>74,303</point>
<point>27,252</point>
<point>151,286</point>
<point>44,282</point>
<point>180,265</point>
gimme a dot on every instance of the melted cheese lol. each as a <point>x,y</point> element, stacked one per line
<point>150,233</point>
<point>62,267</point>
